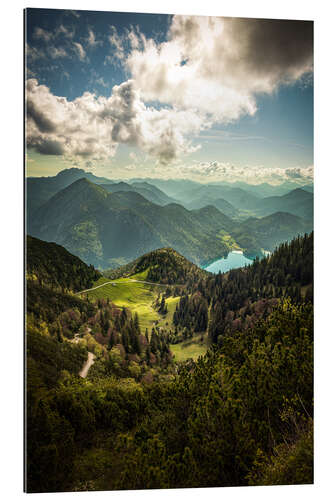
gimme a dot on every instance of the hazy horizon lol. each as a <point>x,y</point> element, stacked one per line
<point>142,179</point>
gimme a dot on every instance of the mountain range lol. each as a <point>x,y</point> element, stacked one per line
<point>298,202</point>
<point>237,200</point>
<point>41,189</point>
<point>108,229</point>
<point>148,191</point>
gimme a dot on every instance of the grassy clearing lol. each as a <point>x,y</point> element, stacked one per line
<point>138,297</point>
<point>192,348</point>
<point>228,240</point>
<point>141,276</point>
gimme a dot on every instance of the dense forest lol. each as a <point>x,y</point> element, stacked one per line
<point>51,265</point>
<point>240,415</point>
<point>164,265</point>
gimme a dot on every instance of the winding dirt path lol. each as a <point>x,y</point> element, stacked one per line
<point>90,361</point>
<point>120,282</point>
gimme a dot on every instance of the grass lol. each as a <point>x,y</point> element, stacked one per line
<point>138,297</point>
<point>191,348</point>
<point>228,240</point>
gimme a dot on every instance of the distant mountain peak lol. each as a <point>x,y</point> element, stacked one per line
<point>71,171</point>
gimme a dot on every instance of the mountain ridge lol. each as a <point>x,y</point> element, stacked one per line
<point>97,225</point>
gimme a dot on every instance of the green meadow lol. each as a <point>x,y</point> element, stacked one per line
<point>138,297</point>
<point>191,348</point>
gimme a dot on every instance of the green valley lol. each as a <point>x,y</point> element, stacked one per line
<point>167,357</point>
<point>137,297</point>
<point>108,225</point>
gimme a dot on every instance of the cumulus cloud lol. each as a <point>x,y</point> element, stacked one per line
<point>299,173</point>
<point>209,70</point>
<point>219,65</point>
<point>253,174</point>
<point>92,127</point>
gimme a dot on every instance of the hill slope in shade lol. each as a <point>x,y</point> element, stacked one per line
<point>237,197</point>
<point>268,232</point>
<point>297,202</point>
<point>151,193</point>
<point>41,189</point>
<point>110,229</point>
<point>224,206</point>
<point>52,265</point>
<point>105,228</point>
<point>163,265</point>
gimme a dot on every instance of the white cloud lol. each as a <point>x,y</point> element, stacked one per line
<point>56,52</point>
<point>92,127</point>
<point>252,174</point>
<point>218,65</point>
<point>91,39</point>
<point>65,31</point>
<point>80,52</point>
<point>33,54</point>
<point>210,70</point>
<point>44,35</point>
<point>117,46</point>
<point>101,82</point>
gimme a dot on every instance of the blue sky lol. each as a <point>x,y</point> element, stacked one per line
<point>139,95</point>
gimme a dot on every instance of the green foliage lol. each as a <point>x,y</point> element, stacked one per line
<point>291,462</point>
<point>227,407</point>
<point>241,296</point>
<point>50,357</point>
<point>241,414</point>
<point>164,265</point>
<point>47,304</point>
<point>266,233</point>
<point>51,265</point>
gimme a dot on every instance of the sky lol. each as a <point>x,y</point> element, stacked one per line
<point>145,95</point>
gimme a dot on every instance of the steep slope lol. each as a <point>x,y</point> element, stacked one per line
<point>53,266</point>
<point>174,188</point>
<point>163,265</point>
<point>151,193</point>
<point>268,232</point>
<point>160,196</point>
<point>224,206</point>
<point>297,202</point>
<point>264,189</point>
<point>41,189</point>
<point>109,228</point>
<point>237,197</point>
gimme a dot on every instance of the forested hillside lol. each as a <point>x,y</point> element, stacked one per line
<point>164,265</point>
<point>51,265</point>
<point>268,232</point>
<point>41,189</point>
<point>108,229</point>
<point>240,415</point>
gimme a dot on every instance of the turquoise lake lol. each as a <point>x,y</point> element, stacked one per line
<point>232,261</point>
